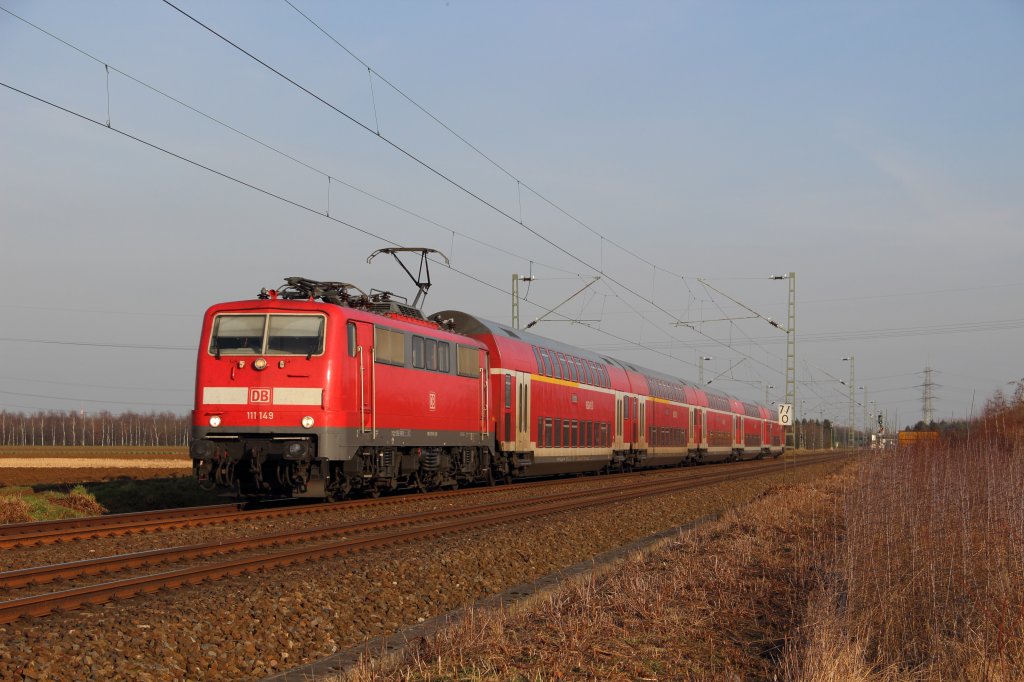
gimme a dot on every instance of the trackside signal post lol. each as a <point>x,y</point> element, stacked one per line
<point>790,353</point>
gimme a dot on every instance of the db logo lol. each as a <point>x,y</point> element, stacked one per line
<point>433,401</point>
<point>259,395</point>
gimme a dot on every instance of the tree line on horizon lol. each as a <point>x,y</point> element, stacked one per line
<point>62,428</point>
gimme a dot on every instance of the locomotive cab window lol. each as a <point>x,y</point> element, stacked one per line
<point>295,335</point>
<point>267,335</point>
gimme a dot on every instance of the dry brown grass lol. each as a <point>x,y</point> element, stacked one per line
<point>80,501</point>
<point>926,582</point>
<point>14,509</point>
<point>909,566</point>
<point>713,604</point>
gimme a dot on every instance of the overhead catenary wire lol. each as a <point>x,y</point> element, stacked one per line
<point>330,177</point>
<point>265,145</point>
<point>519,182</point>
<point>81,385</point>
<point>80,400</point>
<point>567,252</point>
<point>273,195</point>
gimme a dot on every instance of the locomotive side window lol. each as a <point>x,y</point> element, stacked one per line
<point>430,354</point>
<point>417,352</point>
<point>389,346</point>
<point>352,339</point>
<point>467,362</point>
<point>237,334</point>
<point>444,362</point>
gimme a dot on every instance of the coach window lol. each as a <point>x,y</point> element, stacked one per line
<point>444,363</point>
<point>564,365</point>
<point>547,363</point>
<point>557,442</point>
<point>352,339</point>
<point>547,433</point>
<point>575,433</point>
<point>540,363</point>
<point>522,407</point>
<point>430,354</point>
<point>417,352</point>
<point>508,391</point>
<point>540,432</point>
<point>556,366</point>
<point>566,433</point>
<point>590,434</point>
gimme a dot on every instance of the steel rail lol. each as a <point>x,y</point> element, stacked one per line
<point>489,515</point>
<point>111,564</point>
<point>35,533</point>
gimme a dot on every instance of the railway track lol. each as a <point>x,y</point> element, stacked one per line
<point>21,535</point>
<point>333,540</point>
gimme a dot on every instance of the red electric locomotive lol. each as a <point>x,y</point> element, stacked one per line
<point>315,391</point>
<point>320,390</point>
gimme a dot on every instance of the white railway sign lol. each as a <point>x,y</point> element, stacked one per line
<point>785,414</point>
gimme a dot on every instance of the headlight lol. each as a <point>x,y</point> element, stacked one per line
<point>215,421</point>
<point>259,363</point>
<point>307,422</point>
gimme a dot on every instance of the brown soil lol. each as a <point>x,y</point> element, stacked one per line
<point>59,474</point>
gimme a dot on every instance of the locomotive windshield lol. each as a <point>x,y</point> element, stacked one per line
<point>267,335</point>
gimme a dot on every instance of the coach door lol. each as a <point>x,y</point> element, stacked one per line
<point>361,347</point>
<point>522,405</point>
<point>737,427</point>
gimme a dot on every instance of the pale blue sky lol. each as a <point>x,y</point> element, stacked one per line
<point>874,148</point>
